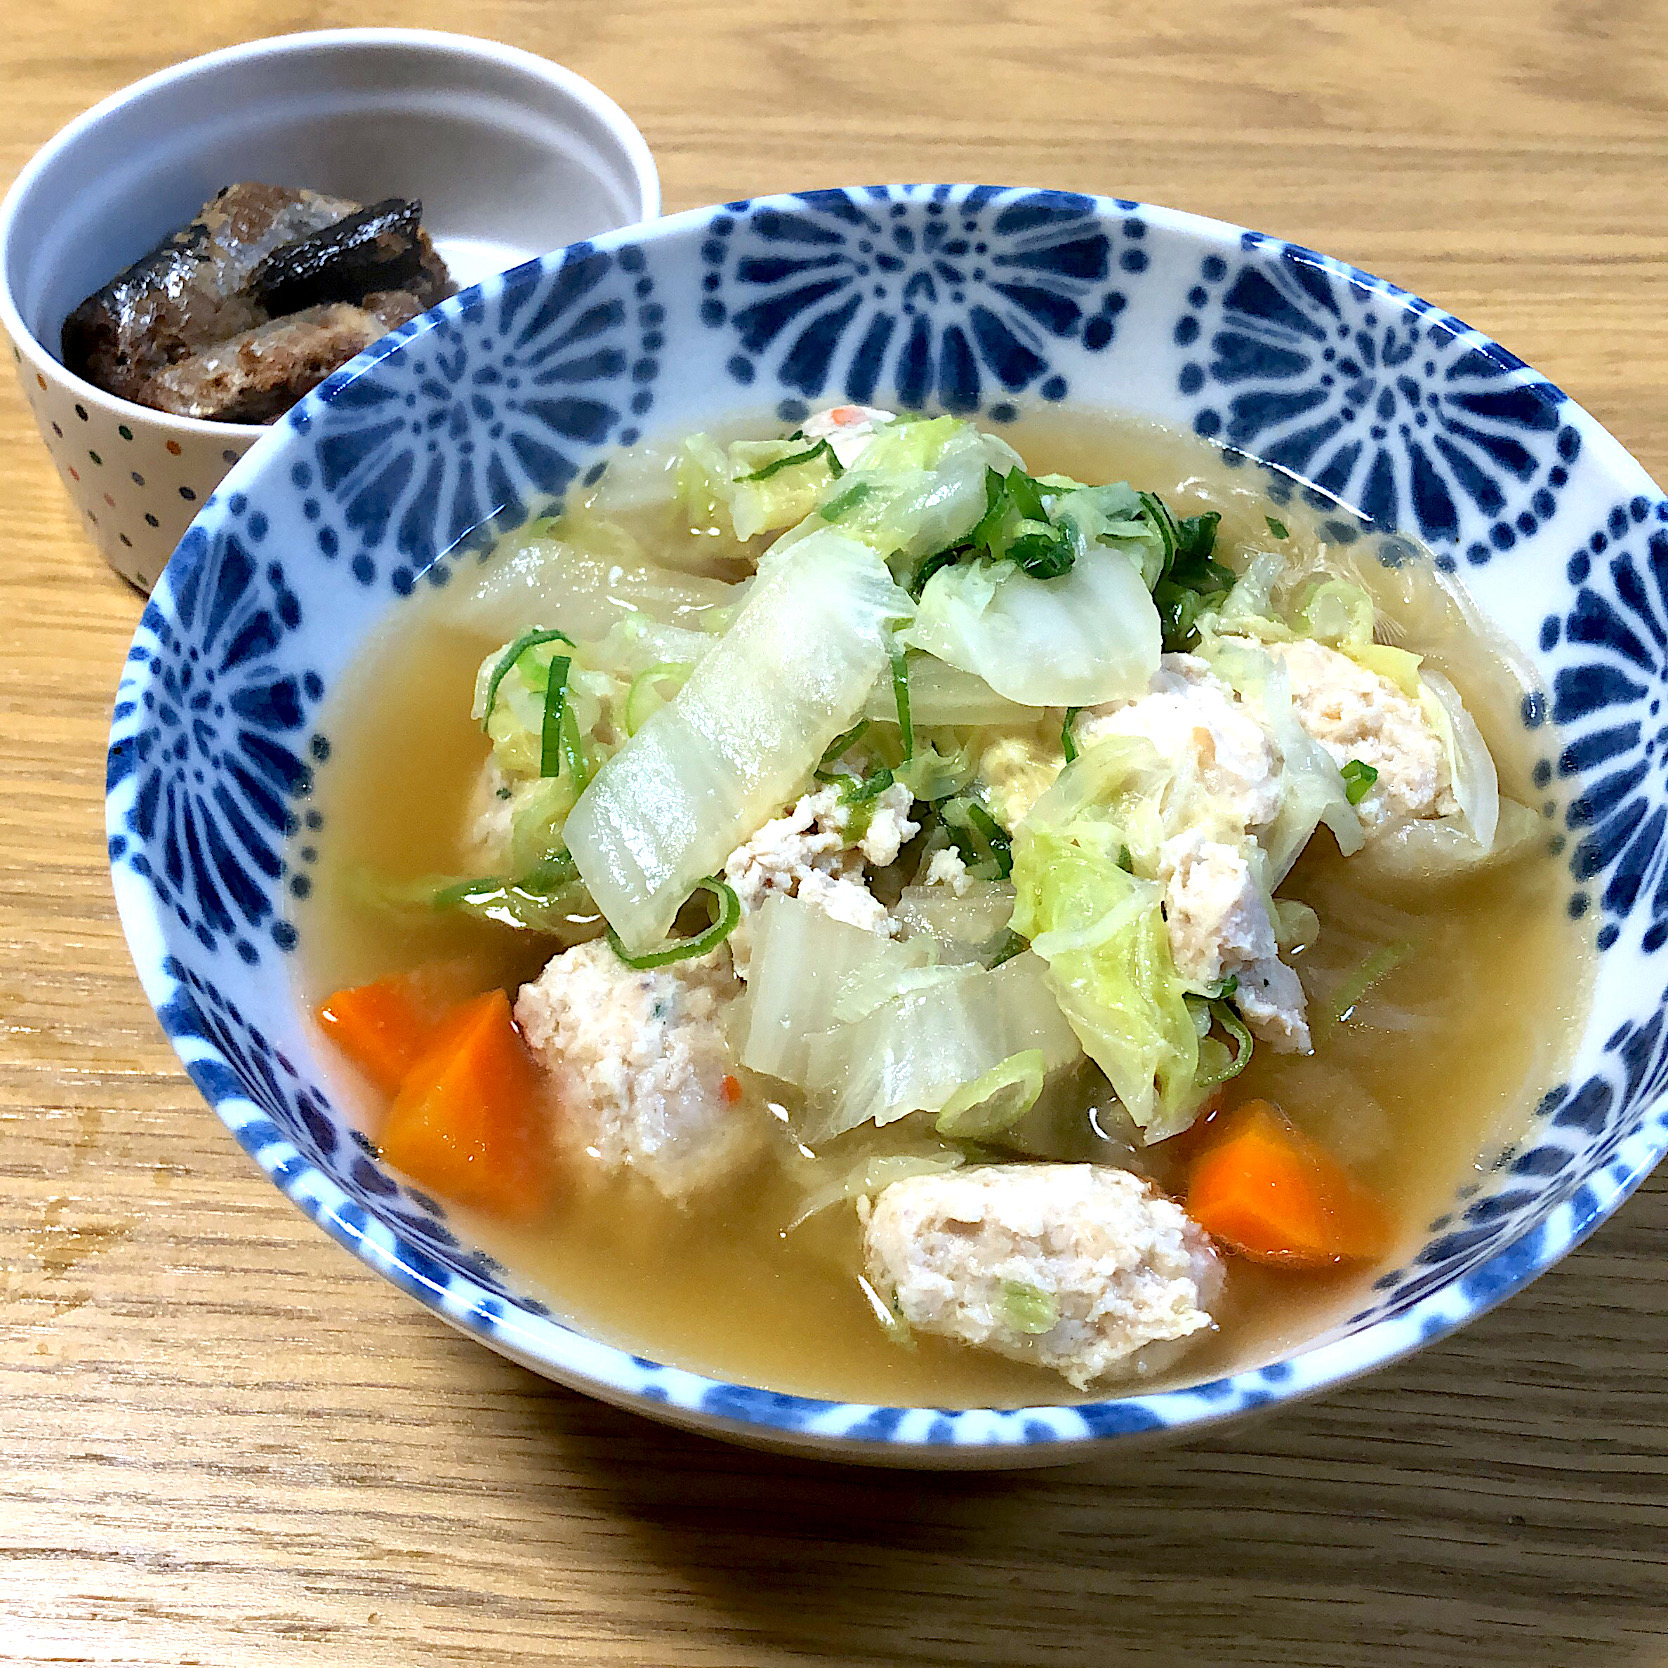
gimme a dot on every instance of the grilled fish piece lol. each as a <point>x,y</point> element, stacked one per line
<point>259,374</point>
<point>193,289</point>
<point>380,248</point>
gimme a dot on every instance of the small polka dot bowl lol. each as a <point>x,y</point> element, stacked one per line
<point>510,155</point>
<point>1316,379</point>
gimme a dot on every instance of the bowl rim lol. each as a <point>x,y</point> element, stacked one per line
<point>645,174</point>
<point>810,1425</point>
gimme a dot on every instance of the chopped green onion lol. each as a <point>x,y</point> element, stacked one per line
<point>559,870</point>
<point>1187,576</point>
<point>996,510</point>
<point>543,900</point>
<point>1227,1016</point>
<point>859,790</point>
<point>1068,742</point>
<point>842,744</point>
<point>1025,494</point>
<point>1125,861</point>
<point>1158,513</point>
<point>1003,947</point>
<point>996,836</point>
<point>979,839</point>
<point>726,912</point>
<point>900,694</point>
<point>1277,528</point>
<point>1029,1309</point>
<point>1042,555</point>
<point>1358,780</point>
<point>642,691</point>
<point>1379,964</point>
<point>845,502</point>
<point>995,1102</point>
<point>1038,548</point>
<point>1195,540</point>
<point>1177,608</point>
<point>821,449</point>
<point>939,559</point>
<point>527,640</point>
<point>573,753</point>
<point>555,710</point>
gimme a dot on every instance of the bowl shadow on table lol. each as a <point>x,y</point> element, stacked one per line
<point>1497,1495</point>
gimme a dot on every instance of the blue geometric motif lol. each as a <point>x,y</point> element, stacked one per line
<point>1577,1134</point>
<point>213,722</point>
<point>487,407</point>
<point>1374,396</point>
<point>1610,707</point>
<point>936,300</point>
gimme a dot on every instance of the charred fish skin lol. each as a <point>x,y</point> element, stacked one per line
<point>259,374</point>
<point>380,248</point>
<point>192,289</point>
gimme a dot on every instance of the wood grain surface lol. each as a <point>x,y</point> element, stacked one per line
<point>224,1442</point>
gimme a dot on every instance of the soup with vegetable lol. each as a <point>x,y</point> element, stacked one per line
<point>897,912</point>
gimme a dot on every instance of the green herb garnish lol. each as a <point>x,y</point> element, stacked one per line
<point>1039,547</point>
<point>1277,528</point>
<point>1188,577</point>
<point>1358,780</point>
<point>527,640</point>
<point>726,912</point>
<point>1015,527</point>
<point>822,449</point>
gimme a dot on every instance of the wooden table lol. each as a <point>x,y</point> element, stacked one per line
<point>224,1442</point>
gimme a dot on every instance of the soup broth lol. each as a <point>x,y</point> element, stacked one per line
<point>1418,1088</point>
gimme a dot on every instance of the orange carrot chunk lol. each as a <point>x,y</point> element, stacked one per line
<point>381,1027</point>
<point>1268,1192</point>
<point>468,1122</point>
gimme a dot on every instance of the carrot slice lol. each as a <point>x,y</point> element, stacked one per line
<point>381,1027</point>
<point>1269,1192</point>
<point>467,1123</point>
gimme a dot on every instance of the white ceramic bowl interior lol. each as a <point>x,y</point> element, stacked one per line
<point>510,154</point>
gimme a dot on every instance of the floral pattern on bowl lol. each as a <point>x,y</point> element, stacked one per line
<point>975,299</point>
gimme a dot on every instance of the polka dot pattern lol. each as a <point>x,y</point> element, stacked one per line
<point>135,478</point>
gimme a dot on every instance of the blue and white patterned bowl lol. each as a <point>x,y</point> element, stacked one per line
<point>977,300</point>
